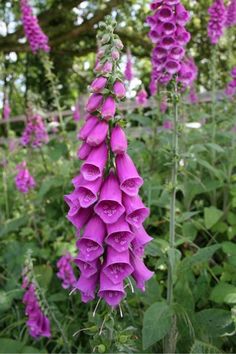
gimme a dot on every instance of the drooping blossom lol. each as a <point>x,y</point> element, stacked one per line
<point>105,206</point>
<point>231,14</point>
<point>6,110</point>
<point>33,32</point>
<point>216,24</point>
<point>169,36</point>
<point>38,323</point>
<point>230,90</point>
<point>65,271</point>
<point>34,134</point>
<point>167,124</point>
<point>129,67</point>
<point>141,97</point>
<point>23,180</point>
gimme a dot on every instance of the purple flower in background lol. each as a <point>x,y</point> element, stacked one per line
<point>217,12</point>
<point>141,97</point>
<point>6,110</point>
<point>163,105</point>
<point>23,180</point>
<point>38,323</point>
<point>34,134</point>
<point>231,14</point>
<point>193,97</point>
<point>169,36</point>
<point>105,207</point>
<point>230,90</point>
<point>65,271</point>
<point>33,32</point>
<point>76,112</point>
<point>129,67</point>
<point>167,124</point>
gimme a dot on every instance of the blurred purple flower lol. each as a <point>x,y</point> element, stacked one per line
<point>34,134</point>
<point>65,271</point>
<point>217,12</point>
<point>33,32</point>
<point>23,180</point>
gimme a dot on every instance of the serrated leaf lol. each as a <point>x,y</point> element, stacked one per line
<point>156,323</point>
<point>211,216</point>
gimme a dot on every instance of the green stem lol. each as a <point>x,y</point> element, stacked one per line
<point>44,161</point>
<point>213,108</point>
<point>170,340</point>
<point>5,192</point>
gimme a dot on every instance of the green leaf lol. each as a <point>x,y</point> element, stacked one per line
<point>211,216</point>
<point>215,322</point>
<point>204,348</point>
<point>13,225</point>
<point>202,255</point>
<point>5,301</point>
<point>156,323</point>
<point>57,151</point>
<point>229,248</point>
<point>224,293</point>
<point>10,346</point>
<point>189,231</point>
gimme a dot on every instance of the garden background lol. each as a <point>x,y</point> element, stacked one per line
<point>205,257</point>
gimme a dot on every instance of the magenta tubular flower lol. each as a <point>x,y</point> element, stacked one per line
<point>129,68</point>
<point>6,110</point>
<point>23,180</point>
<point>87,192</point>
<point>231,14</point>
<point>217,12</point>
<point>98,134</point>
<point>117,265</point>
<point>230,90</point>
<point>167,124</point>
<point>34,134</point>
<point>110,292</point>
<point>87,287</point>
<point>38,324</point>
<point>136,212</point>
<point>94,102</point>
<point>169,38</point>
<point>141,273</point>
<point>119,142</point>
<point>109,206</point>
<point>83,151</point>
<point>66,273</point>
<point>88,269</point>
<point>141,97</point>
<point>140,240</point>
<point>105,207</point>
<point>91,243</point>
<point>88,127</point>
<point>80,218</point>
<point>107,67</point>
<point>109,108</point>
<point>99,84</point>
<point>119,235</point>
<point>34,34</point>
<point>130,181</point>
<point>119,89</point>
<point>95,163</point>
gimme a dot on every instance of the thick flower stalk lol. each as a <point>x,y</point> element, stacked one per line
<point>141,97</point>
<point>169,36</point>
<point>65,271</point>
<point>38,323</point>
<point>217,21</point>
<point>35,133</point>
<point>105,206</point>
<point>128,73</point>
<point>231,14</point>
<point>23,180</point>
<point>230,90</point>
<point>33,32</point>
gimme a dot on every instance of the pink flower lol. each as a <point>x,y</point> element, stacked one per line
<point>23,180</point>
<point>34,34</point>
<point>119,142</point>
<point>141,97</point>
<point>108,108</point>
<point>110,292</point>
<point>119,89</point>
<point>129,68</point>
<point>35,133</point>
<point>99,84</point>
<point>65,271</point>
<point>217,12</point>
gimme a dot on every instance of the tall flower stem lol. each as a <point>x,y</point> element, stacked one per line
<point>170,341</point>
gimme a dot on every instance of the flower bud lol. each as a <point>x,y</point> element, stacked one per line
<point>109,108</point>
<point>115,54</point>
<point>107,67</point>
<point>99,84</point>
<point>119,89</point>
